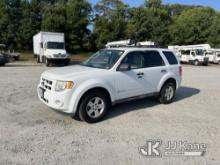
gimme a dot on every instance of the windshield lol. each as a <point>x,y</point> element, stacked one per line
<point>55,45</point>
<point>104,59</point>
<point>199,52</point>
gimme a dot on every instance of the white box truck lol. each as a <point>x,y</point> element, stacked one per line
<point>50,48</point>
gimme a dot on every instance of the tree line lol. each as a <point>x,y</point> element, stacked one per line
<point>90,27</point>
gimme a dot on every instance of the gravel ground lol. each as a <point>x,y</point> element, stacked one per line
<point>32,133</point>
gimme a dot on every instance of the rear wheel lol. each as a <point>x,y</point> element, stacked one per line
<point>167,93</point>
<point>93,107</point>
<point>38,59</point>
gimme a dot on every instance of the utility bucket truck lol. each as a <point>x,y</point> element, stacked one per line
<point>192,54</point>
<point>214,55</point>
<point>50,48</point>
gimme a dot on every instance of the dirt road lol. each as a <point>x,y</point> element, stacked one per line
<point>32,133</point>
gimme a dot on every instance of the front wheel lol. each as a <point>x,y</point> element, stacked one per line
<point>196,62</point>
<point>47,62</point>
<point>167,93</point>
<point>93,107</point>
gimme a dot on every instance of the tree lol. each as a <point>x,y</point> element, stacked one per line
<point>149,24</point>
<point>214,37</point>
<point>4,21</point>
<point>192,26</point>
<point>77,22</point>
<point>54,18</point>
<point>153,3</point>
<point>110,22</point>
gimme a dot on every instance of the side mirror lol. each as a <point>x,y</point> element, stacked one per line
<point>124,67</point>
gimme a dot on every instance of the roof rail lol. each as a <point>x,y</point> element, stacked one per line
<point>130,43</point>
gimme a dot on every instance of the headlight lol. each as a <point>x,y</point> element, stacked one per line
<point>62,85</point>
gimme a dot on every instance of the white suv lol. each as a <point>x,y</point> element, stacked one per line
<point>109,77</point>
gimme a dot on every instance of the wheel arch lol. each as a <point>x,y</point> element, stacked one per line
<point>104,90</point>
<point>170,79</point>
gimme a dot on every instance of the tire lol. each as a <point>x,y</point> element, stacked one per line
<point>16,58</point>
<point>196,63</point>
<point>167,93</point>
<point>67,63</point>
<point>89,110</point>
<point>47,62</point>
<point>38,59</point>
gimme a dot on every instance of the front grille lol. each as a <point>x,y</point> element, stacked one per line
<point>47,84</point>
<point>59,55</point>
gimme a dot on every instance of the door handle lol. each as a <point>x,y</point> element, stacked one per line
<point>140,74</point>
<point>163,71</point>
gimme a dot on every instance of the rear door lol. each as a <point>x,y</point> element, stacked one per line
<point>154,70</point>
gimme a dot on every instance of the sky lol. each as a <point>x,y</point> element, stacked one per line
<point>211,3</point>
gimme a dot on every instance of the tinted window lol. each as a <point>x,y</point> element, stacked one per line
<point>135,59</point>
<point>185,52</point>
<point>170,58</point>
<point>152,59</point>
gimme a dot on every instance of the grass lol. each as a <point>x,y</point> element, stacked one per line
<point>78,56</point>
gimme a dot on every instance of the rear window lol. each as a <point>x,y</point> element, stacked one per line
<point>153,59</point>
<point>171,58</point>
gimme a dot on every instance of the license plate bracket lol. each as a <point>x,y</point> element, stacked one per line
<point>41,92</point>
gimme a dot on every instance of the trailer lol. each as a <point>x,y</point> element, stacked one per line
<point>50,48</point>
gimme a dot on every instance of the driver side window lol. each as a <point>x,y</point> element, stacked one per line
<point>135,60</point>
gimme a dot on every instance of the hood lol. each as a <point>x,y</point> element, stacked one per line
<point>55,51</point>
<point>68,73</point>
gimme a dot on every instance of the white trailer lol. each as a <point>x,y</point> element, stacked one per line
<point>50,48</point>
<point>192,54</point>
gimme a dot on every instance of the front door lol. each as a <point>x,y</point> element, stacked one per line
<point>131,83</point>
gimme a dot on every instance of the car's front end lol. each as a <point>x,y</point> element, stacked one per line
<point>55,93</point>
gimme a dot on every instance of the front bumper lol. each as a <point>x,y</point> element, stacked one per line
<point>59,60</point>
<point>56,100</point>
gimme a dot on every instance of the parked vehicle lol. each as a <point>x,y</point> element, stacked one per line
<point>214,55</point>
<point>3,56</point>
<point>192,54</point>
<point>109,77</point>
<point>10,55</point>
<point>50,48</point>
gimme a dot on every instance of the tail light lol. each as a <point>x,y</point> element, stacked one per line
<point>180,71</point>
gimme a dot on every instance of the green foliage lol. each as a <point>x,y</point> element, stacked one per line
<point>110,22</point>
<point>214,37</point>
<point>192,26</point>
<point>88,28</point>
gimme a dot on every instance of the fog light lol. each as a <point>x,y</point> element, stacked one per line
<point>59,103</point>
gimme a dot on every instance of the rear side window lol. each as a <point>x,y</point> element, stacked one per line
<point>171,58</point>
<point>153,59</point>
